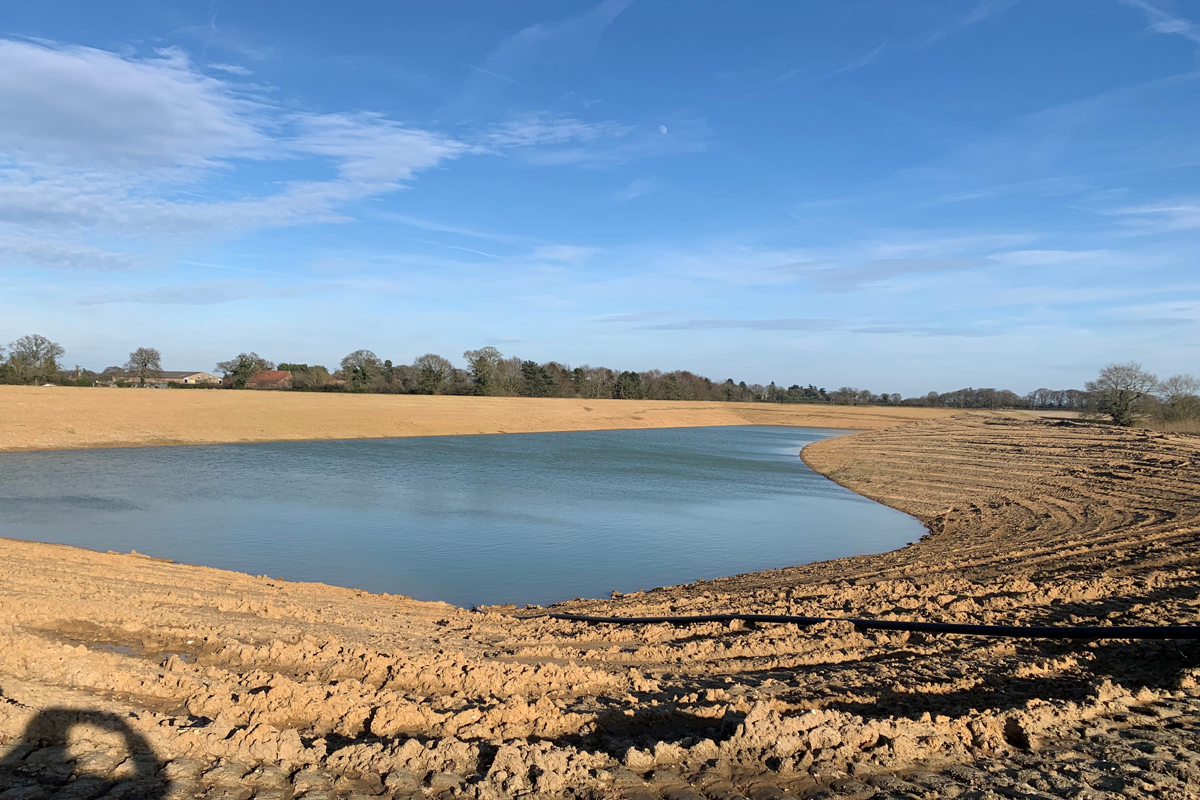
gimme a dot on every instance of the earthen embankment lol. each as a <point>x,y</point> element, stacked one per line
<point>57,418</point>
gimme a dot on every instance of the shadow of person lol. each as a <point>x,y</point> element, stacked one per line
<point>76,753</point>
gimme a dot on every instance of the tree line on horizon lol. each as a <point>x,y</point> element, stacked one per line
<point>1121,392</point>
<point>490,373</point>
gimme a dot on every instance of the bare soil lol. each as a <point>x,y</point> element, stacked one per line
<point>187,681</point>
<point>58,418</point>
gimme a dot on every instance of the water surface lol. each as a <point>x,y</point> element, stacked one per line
<point>524,518</point>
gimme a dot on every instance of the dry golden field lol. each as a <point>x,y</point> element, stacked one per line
<point>56,418</point>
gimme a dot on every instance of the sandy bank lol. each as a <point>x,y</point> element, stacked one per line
<point>43,418</point>
<point>245,684</point>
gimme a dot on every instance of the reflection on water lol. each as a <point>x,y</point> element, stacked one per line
<point>526,518</point>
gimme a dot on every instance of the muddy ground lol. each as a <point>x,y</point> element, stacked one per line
<point>134,677</point>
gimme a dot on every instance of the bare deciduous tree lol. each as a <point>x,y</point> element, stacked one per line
<point>1119,388</point>
<point>34,359</point>
<point>433,373</point>
<point>508,377</point>
<point>595,382</point>
<point>145,362</point>
<point>1180,403</point>
<point>1178,387</point>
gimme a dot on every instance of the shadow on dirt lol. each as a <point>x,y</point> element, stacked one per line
<point>88,753</point>
<point>1175,605</point>
<point>616,731</point>
<point>1131,665</point>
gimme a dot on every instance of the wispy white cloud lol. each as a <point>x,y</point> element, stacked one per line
<point>336,266</point>
<point>854,277</point>
<point>637,316</point>
<point>893,258</point>
<point>1075,149</point>
<point>458,230</point>
<point>370,148</point>
<point>569,254</point>
<point>544,128</point>
<point>978,13</point>
<point>782,324</point>
<point>574,37</point>
<point>1188,309</point>
<point>1172,314</point>
<point>1042,258</point>
<point>527,249</point>
<point>1053,186</point>
<point>531,53</point>
<point>1163,21</point>
<point>902,244</point>
<point>243,268</point>
<point>818,325</point>
<point>80,204</point>
<point>1164,217</point>
<point>96,141</point>
<point>636,188</point>
<point>460,249</point>
<point>1049,295</point>
<point>988,8</point>
<point>813,73</point>
<point>547,139</point>
<point>496,75</point>
<point>916,329</point>
<point>78,106</point>
<point>685,137</point>
<point>202,294</point>
<point>21,251</point>
<point>125,146</point>
<point>857,63</point>
<point>232,69</point>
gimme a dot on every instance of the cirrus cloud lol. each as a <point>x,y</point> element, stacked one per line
<point>205,294</point>
<point>23,251</point>
<point>83,107</point>
<point>146,147</point>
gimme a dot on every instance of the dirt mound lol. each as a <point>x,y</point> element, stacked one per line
<point>243,685</point>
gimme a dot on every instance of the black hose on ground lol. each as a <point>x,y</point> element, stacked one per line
<point>1003,631</point>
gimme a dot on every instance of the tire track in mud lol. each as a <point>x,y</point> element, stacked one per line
<point>250,686</point>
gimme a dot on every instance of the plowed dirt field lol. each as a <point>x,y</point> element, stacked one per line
<point>182,681</point>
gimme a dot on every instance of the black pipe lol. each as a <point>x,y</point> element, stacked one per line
<point>1004,631</point>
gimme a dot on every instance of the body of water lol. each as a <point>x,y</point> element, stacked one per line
<point>522,518</point>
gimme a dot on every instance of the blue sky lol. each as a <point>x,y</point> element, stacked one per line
<point>902,196</point>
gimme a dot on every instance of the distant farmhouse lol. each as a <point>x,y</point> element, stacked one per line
<point>270,379</point>
<point>188,378</point>
<point>161,378</point>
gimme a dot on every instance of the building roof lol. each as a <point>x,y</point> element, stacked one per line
<point>160,375</point>
<point>270,376</point>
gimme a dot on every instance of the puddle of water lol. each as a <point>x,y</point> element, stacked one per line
<point>124,650</point>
